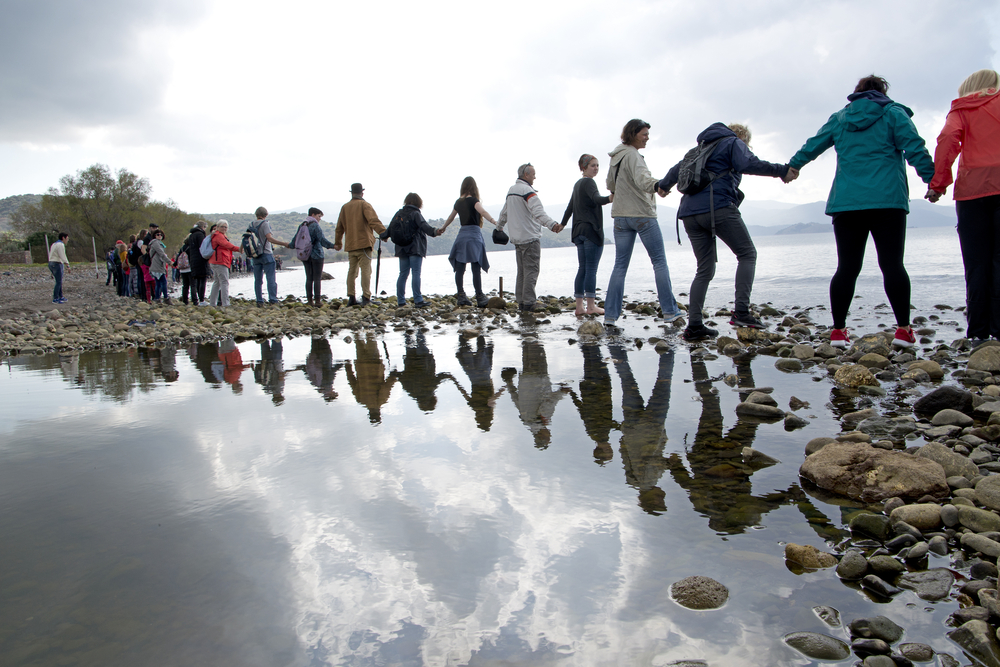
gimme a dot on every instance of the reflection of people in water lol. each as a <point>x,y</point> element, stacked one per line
<point>320,368</point>
<point>594,402</point>
<point>367,377</point>
<point>644,434</point>
<point>206,358</point>
<point>232,364</point>
<point>69,364</point>
<point>168,362</point>
<point>534,396</point>
<point>269,373</point>
<point>418,378</point>
<point>478,365</point>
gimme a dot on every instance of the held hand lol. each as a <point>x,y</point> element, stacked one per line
<point>611,197</point>
<point>933,195</point>
<point>660,191</point>
<point>792,174</point>
<point>440,231</point>
<point>337,246</point>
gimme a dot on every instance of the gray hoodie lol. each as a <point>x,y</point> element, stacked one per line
<point>633,185</point>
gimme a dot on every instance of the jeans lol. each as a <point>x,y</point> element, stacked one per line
<point>57,272</point>
<point>314,278</point>
<point>588,254</point>
<point>888,229</point>
<point>219,296</point>
<point>730,228</point>
<point>160,287</point>
<point>408,264</point>
<point>648,230</point>
<point>264,266</point>
<point>529,257</point>
<point>979,235</point>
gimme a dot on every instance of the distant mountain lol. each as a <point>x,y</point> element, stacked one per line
<point>763,220</point>
<point>10,204</point>
<point>806,228</point>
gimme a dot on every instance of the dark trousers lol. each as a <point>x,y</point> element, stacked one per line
<point>888,229</point>
<point>189,284</point>
<point>314,277</point>
<point>477,278</point>
<point>730,228</point>
<point>979,234</point>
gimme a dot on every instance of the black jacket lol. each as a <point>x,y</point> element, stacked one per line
<point>410,215</point>
<point>192,246</point>
<point>585,207</point>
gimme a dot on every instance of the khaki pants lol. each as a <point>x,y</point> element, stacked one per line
<point>360,259</point>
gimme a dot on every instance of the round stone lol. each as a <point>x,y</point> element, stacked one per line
<point>699,592</point>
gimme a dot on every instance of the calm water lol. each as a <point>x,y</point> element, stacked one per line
<point>419,498</point>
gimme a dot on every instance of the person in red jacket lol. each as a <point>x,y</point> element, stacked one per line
<point>219,262</point>
<point>972,134</point>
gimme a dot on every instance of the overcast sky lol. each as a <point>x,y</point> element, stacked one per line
<point>229,105</point>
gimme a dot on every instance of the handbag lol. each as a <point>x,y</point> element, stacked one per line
<point>500,237</point>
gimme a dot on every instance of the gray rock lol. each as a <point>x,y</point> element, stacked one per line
<point>879,586</point>
<point>895,428</point>
<point>851,419</point>
<point>986,410</point>
<point>867,523</point>
<point>872,343</point>
<point>818,646</point>
<point>981,543</point>
<point>933,584</point>
<point>852,566</point>
<point>761,398</point>
<point>854,375</point>
<point>917,551</point>
<point>699,592</point>
<point>891,504</point>
<point>978,520</point>
<point>860,471</point>
<point>809,556</point>
<point>868,647</point>
<point>793,421</point>
<point>945,431</point>
<point>826,351</point>
<point>817,444</point>
<point>938,545</point>
<point>953,464</point>
<point>828,615</point>
<point>985,359</point>
<point>932,368</point>
<point>949,515</point>
<point>878,661</point>
<point>959,482</point>
<point>979,455</point>
<point>757,459</point>
<point>966,493</point>
<point>591,328</point>
<point>941,398</point>
<point>788,365</point>
<point>988,492</point>
<point>874,360</point>
<point>917,375</point>
<point>917,652</point>
<point>758,410</point>
<point>977,639</point>
<point>925,516</point>
<point>876,627</point>
<point>803,351</point>
<point>885,566</point>
<point>949,417</point>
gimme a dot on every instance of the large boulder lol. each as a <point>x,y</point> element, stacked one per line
<point>985,359</point>
<point>947,397</point>
<point>977,639</point>
<point>953,464</point>
<point>988,491</point>
<point>872,343</point>
<point>854,375</point>
<point>858,470</point>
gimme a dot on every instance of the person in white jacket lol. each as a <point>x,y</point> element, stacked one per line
<point>634,212</point>
<point>523,210</point>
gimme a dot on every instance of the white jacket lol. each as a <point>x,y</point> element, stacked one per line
<point>634,187</point>
<point>523,210</point>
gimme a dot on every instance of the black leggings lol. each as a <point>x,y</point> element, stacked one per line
<point>888,228</point>
<point>314,278</point>
<point>477,278</point>
<point>979,233</point>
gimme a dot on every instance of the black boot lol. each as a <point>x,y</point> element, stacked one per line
<point>351,301</point>
<point>482,300</point>
<point>462,299</point>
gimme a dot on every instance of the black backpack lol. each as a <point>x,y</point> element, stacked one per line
<point>401,231</point>
<point>693,177</point>
<point>251,245</point>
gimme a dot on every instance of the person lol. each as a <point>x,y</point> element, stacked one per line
<point>58,264</point>
<point>411,257</point>
<point>158,265</point>
<point>219,262</point>
<point>469,247</point>
<point>135,260</point>
<point>109,264</point>
<point>588,234</point>
<point>972,134</point>
<point>314,265</point>
<point>526,215</point>
<point>130,266</point>
<point>264,265</point>
<point>705,218</point>
<point>872,136</point>
<point>199,265</point>
<point>634,212</point>
<point>121,266</point>
<point>357,221</point>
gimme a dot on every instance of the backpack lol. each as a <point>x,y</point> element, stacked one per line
<point>183,262</point>
<point>303,242</point>
<point>133,254</point>
<point>206,248</point>
<point>251,245</point>
<point>401,230</point>
<point>693,177</point>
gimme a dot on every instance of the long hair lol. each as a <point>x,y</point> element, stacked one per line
<point>984,82</point>
<point>469,188</point>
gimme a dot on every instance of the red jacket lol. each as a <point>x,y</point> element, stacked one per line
<point>972,129</point>
<point>223,250</point>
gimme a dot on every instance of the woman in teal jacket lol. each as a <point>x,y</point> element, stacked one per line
<point>872,136</point>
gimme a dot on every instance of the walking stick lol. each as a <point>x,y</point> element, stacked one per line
<point>378,265</point>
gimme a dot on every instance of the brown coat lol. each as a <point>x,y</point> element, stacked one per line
<point>357,220</point>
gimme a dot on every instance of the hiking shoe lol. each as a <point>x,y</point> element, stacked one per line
<point>674,316</point>
<point>351,300</point>
<point>463,300</point>
<point>904,337</point>
<point>698,332</point>
<point>365,300</point>
<point>63,299</point>
<point>423,304</point>
<point>840,338</point>
<point>482,300</point>
<point>746,320</point>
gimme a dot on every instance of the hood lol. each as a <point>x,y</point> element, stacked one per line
<point>196,228</point>
<point>618,152</point>
<point>973,101</point>
<point>866,108</point>
<point>715,131</point>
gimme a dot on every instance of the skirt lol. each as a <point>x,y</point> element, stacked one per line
<point>469,248</point>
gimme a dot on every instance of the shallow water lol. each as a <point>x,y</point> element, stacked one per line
<point>414,497</point>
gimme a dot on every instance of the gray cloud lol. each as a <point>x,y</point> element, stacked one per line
<point>71,65</point>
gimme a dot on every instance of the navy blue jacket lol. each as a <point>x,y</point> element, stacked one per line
<point>412,216</point>
<point>730,154</point>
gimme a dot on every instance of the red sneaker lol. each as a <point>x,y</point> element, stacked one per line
<point>904,337</point>
<point>840,338</point>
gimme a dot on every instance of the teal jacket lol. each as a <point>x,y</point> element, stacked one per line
<point>872,136</point>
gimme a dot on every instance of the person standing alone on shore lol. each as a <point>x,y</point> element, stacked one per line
<point>57,262</point>
<point>523,210</point>
<point>357,221</point>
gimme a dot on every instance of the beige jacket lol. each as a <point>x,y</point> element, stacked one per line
<point>357,221</point>
<point>634,187</point>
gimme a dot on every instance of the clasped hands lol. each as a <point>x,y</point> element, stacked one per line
<point>933,195</point>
